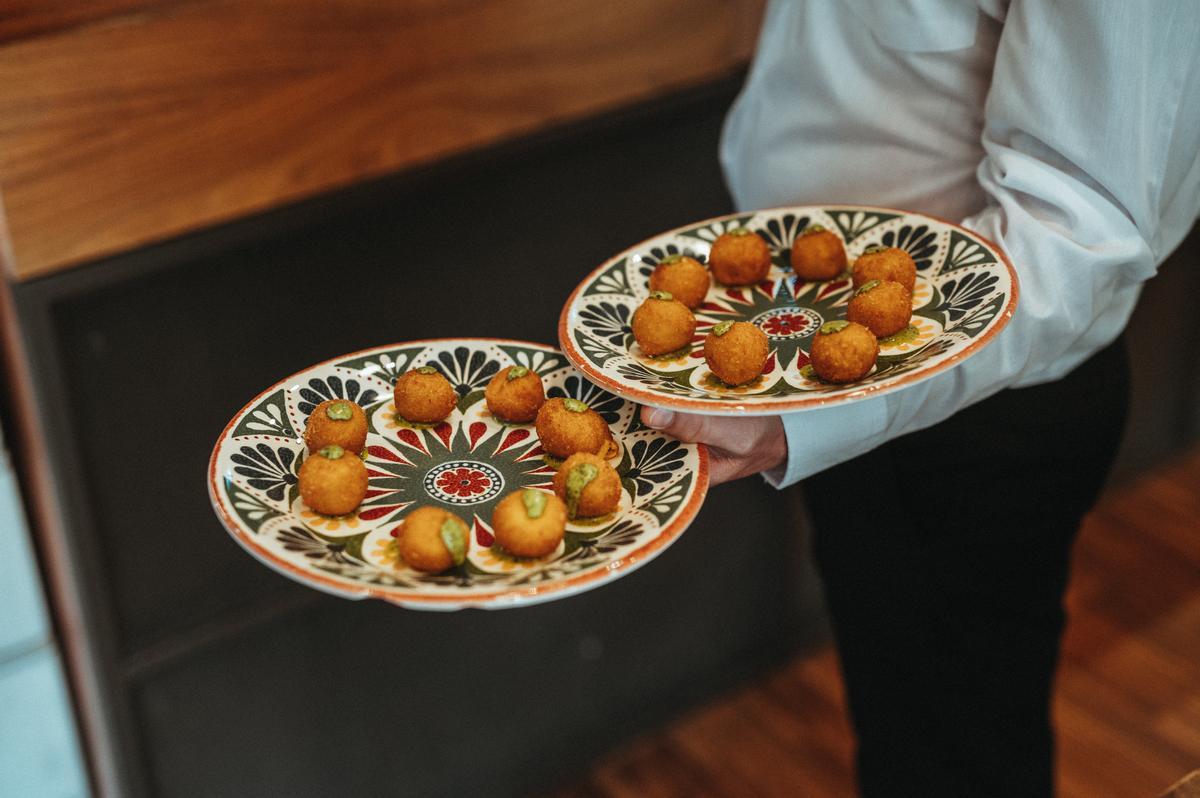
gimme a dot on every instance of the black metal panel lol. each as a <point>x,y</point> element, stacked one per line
<point>368,699</point>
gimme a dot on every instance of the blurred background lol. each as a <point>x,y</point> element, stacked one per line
<point>202,196</point>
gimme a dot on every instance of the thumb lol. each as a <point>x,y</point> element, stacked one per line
<point>686,427</point>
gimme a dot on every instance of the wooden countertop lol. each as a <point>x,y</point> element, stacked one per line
<point>125,122</point>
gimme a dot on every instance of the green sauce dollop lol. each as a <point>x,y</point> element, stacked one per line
<point>578,478</point>
<point>331,452</point>
<point>674,354</point>
<point>663,295</point>
<point>871,250</point>
<point>575,406</point>
<point>813,228</point>
<point>907,335</point>
<point>867,286</point>
<point>830,327</point>
<point>667,261</point>
<point>340,411</point>
<point>534,501</point>
<point>427,370</point>
<point>455,538</point>
<point>738,231</point>
<point>722,328</point>
<point>516,373</point>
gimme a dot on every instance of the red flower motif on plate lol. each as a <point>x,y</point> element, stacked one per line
<point>786,324</point>
<point>463,482</point>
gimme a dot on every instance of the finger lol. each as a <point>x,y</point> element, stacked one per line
<point>684,426</point>
<point>725,433</point>
<point>692,428</point>
<point>656,417</point>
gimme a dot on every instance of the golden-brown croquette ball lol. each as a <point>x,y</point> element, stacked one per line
<point>529,522</point>
<point>515,394</point>
<point>567,426</point>
<point>843,351</point>
<point>662,324</point>
<point>736,351</point>
<point>739,257</point>
<point>883,307</point>
<point>818,254</point>
<point>337,421</point>
<point>333,481</point>
<point>684,278</point>
<point>588,485</point>
<point>885,263</point>
<point>432,539</point>
<point>424,395</point>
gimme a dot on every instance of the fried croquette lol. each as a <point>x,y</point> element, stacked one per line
<point>885,263</point>
<point>333,481</point>
<point>662,324</point>
<point>818,254</point>
<point>432,539</point>
<point>515,394</point>
<point>589,486</point>
<point>883,307</point>
<point>739,257</point>
<point>736,351</point>
<point>337,421</point>
<point>529,522</point>
<point>843,351</point>
<point>424,395</point>
<point>567,426</point>
<point>684,278</point>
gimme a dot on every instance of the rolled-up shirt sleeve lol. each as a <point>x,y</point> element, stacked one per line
<point>1092,174</point>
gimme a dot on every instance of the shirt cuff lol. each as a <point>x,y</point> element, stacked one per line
<point>822,438</point>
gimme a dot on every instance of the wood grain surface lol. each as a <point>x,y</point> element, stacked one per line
<point>139,126</point>
<point>1127,709</point>
<point>24,19</point>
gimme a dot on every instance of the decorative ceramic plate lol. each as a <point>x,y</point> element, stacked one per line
<point>465,464</point>
<point>966,292</point>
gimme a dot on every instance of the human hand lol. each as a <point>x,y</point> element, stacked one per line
<point>737,446</point>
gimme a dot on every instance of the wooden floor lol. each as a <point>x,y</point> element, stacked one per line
<point>1128,704</point>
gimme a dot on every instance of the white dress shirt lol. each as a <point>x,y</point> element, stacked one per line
<point>1067,131</point>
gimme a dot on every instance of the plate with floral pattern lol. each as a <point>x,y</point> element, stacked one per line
<point>465,464</point>
<point>966,291</point>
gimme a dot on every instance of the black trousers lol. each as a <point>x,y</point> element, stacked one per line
<point>945,555</point>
